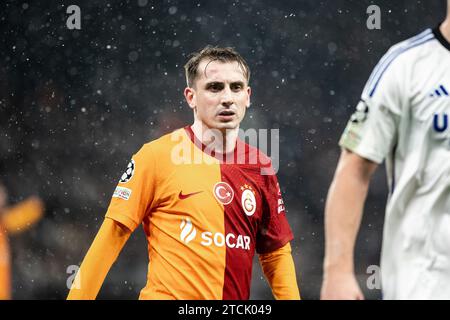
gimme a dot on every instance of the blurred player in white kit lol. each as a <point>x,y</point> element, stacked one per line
<point>403,117</point>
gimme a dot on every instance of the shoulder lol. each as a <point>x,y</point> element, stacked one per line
<point>158,152</point>
<point>410,48</point>
<point>164,144</point>
<point>252,157</point>
<point>400,58</point>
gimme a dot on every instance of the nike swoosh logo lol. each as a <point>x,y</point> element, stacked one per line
<point>185,196</point>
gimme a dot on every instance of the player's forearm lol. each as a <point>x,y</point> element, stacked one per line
<point>279,269</point>
<point>102,254</point>
<point>343,212</point>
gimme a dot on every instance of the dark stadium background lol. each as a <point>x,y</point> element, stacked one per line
<point>76,104</point>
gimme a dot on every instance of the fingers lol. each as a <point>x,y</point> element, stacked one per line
<point>341,287</point>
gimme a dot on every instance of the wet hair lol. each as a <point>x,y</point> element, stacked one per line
<point>210,53</point>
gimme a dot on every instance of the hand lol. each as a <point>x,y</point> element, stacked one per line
<point>340,286</point>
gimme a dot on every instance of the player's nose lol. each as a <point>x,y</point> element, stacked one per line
<point>227,97</point>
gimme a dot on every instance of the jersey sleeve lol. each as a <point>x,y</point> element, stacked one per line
<point>274,230</point>
<point>133,197</point>
<point>372,129</point>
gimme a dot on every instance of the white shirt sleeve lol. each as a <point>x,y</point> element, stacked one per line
<point>372,130</point>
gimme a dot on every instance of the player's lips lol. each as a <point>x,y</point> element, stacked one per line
<point>226,114</point>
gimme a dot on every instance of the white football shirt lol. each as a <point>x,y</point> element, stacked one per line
<point>403,117</point>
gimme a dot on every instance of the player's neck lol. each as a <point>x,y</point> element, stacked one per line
<point>221,141</point>
<point>445,28</point>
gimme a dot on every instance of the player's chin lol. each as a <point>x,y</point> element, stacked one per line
<point>228,125</point>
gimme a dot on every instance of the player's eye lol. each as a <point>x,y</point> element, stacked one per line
<point>237,86</point>
<point>215,86</point>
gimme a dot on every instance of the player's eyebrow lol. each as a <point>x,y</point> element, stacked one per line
<point>222,84</point>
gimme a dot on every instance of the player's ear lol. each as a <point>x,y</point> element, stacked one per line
<point>189,94</point>
<point>249,93</point>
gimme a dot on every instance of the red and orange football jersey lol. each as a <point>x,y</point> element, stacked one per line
<point>5,272</point>
<point>204,215</point>
<point>14,220</point>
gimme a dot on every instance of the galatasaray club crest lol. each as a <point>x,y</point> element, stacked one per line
<point>248,200</point>
<point>223,192</point>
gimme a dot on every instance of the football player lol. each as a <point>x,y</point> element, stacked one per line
<point>203,199</point>
<point>402,118</point>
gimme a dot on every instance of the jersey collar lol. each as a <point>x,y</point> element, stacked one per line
<point>438,35</point>
<point>219,156</point>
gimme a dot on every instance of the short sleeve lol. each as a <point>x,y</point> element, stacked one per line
<point>372,130</point>
<point>133,196</point>
<point>274,230</point>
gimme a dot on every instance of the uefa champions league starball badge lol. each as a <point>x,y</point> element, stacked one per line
<point>128,174</point>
